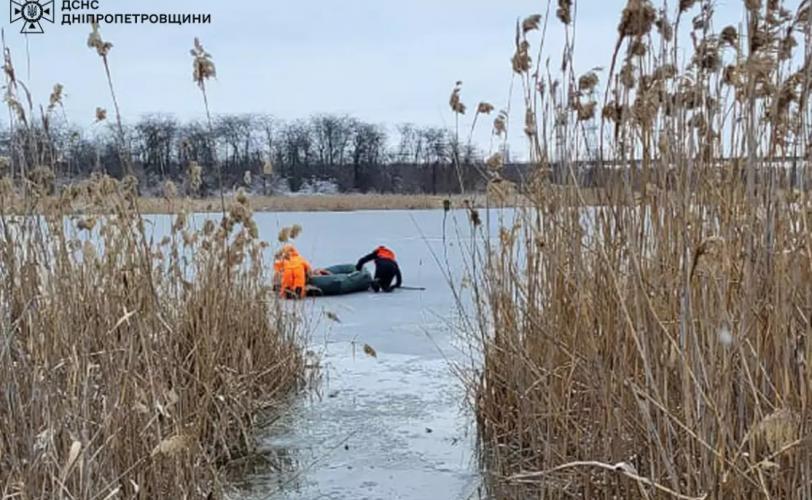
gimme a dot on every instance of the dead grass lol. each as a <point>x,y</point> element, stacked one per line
<point>316,203</point>
<point>306,203</point>
<point>656,346</point>
<point>130,369</point>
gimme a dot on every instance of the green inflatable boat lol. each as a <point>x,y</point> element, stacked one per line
<point>342,279</point>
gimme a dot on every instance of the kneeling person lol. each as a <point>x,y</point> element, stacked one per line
<point>294,272</point>
<point>386,269</point>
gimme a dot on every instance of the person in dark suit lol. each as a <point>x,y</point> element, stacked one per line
<point>386,269</point>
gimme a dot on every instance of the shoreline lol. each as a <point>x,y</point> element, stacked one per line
<point>345,202</point>
<point>151,205</point>
<point>310,203</point>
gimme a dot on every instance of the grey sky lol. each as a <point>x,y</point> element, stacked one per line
<point>380,60</point>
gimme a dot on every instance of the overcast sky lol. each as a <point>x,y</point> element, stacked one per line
<point>379,60</point>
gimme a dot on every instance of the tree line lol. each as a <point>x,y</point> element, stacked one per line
<point>254,150</point>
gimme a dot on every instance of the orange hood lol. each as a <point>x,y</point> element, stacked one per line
<point>384,253</point>
<point>290,251</point>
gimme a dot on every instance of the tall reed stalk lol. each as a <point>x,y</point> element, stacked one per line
<point>103,48</point>
<point>203,70</point>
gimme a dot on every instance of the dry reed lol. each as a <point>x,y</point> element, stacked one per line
<point>129,368</point>
<point>655,346</point>
<point>304,203</point>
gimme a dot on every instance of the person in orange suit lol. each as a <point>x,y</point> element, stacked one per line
<point>293,271</point>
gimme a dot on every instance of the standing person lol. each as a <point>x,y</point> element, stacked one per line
<point>295,271</point>
<point>386,269</point>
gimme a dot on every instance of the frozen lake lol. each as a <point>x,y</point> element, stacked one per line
<point>389,427</point>
<point>393,426</point>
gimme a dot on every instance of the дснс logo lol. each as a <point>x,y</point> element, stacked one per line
<point>31,13</point>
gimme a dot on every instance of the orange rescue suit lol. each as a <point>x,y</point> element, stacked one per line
<point>294,270</point>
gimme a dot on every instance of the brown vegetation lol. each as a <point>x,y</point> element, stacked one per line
<point>657,347</point>
<point>129,368</point>
<point>133,367</point>
<point>315,203</point>
<point>505,196</point>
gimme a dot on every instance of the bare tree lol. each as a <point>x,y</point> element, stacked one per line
<point>297,152</point>
<point>411,144</point>
<point>368,150</point>
<point>332,135</point>
<point>156,137</point>
<point>235,134</point>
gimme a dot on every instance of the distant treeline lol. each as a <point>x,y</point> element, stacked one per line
<point>352,154</point>
<point>270,155</point>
